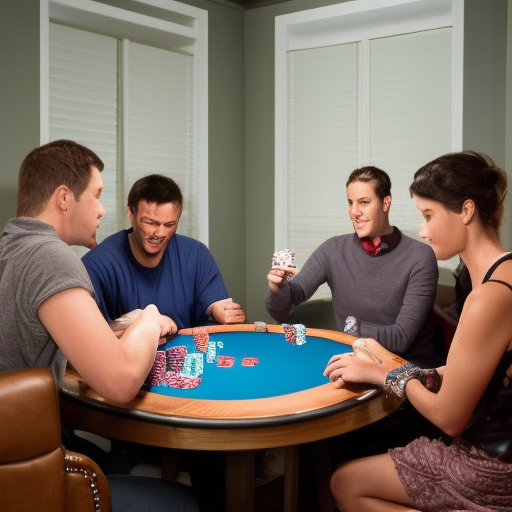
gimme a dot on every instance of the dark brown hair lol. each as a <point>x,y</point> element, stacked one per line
<point>154,188</point>
<point>61,162</point>
<point>453,178</point>
<point>378,177</point>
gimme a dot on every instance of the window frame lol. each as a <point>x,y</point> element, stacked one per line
<point>349,22</point>
<point>171,25</point>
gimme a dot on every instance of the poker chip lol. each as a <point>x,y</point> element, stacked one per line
<point>225,361</point>
<point>295,333</point>
<point>157,374</point>
<point>193,365</point>
<point>211,353</point>
<point>300,334</point>
<point>175,357</point>
<point>179,381</point>
<point>289,333</point>
<point>284,260</point>
<point>201,339</point>
<point>250,361</point>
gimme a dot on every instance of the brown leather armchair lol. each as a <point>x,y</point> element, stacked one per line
<point>36,470</point>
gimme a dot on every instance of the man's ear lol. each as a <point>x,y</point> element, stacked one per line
<point>468,211</point>
<point>62,197</point>
<point>386,204</point>
<point>130,215</point>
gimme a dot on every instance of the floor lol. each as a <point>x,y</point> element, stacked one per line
<point>269,474</point>
<point>269,482</point>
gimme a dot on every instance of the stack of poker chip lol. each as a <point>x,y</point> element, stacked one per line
<point>157,373</point>
<point>175,357</point>
<point>211,352</point>
<point>201,339</point>
<point>193,365</point>
<point>295,333</point>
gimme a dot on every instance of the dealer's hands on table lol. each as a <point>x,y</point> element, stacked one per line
<point>363,365</point>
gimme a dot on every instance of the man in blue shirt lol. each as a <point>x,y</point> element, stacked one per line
<point>151,264</point>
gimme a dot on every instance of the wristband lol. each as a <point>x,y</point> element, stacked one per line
<point>397,379</point>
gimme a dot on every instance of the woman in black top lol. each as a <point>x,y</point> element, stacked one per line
<point>461,197</point>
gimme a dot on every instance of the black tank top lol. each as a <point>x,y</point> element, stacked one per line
<point>490,427</point>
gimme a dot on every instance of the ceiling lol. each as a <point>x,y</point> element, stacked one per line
<point>251,4</point>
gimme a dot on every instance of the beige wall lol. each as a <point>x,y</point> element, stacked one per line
<point>241,122</point>
<point>19,94</point>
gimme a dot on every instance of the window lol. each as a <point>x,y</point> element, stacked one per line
<point>132,87</point>
<point>361,83</point>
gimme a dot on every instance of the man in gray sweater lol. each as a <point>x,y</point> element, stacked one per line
<point>383,286</point>
<point>383,283</point>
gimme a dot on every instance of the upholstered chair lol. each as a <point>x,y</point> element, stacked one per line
<point>36,470</point>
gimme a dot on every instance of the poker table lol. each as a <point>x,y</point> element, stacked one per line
<point>235,389</point>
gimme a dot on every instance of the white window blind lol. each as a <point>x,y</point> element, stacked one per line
<point>161,123</point>
<point>384,98</point>
<point>323,123</point>
<point>129,80</point>
<point>83,103</point>
<point>410,111</point>
<point>92,90</point>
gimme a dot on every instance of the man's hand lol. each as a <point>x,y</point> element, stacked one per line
<point>226,312</point>
<point>276,278</point>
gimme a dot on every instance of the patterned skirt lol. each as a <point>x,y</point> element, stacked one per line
<point>453,478</point>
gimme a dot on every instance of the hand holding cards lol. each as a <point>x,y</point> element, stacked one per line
<point>284,260</point>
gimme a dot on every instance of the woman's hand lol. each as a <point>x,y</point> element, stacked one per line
<point>369,363</point>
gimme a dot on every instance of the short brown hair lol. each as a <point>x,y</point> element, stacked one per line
<point>154,188</point>
<point>379,178</point>
<point>61,162</point>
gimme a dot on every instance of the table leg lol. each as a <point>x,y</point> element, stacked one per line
<point>323,471</point>
<point>170,465</point>
<point>240,481</point>
<point>291,478</point>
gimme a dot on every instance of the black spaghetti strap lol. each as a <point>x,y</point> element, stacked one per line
<point>501,282</point>
<point>495,265</point>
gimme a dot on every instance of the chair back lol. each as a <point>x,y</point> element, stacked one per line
<point>36,471</point>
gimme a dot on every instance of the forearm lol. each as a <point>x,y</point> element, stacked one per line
<point>279,304</point>
<point>226,312</point>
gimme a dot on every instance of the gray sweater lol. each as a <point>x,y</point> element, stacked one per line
<point>391,294</point>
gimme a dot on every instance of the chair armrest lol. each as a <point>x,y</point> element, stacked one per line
<point>87,488</point>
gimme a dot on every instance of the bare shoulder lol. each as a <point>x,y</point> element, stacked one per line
<point>71,300</point>
<point>488,307</point>
<point>71,314</point>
